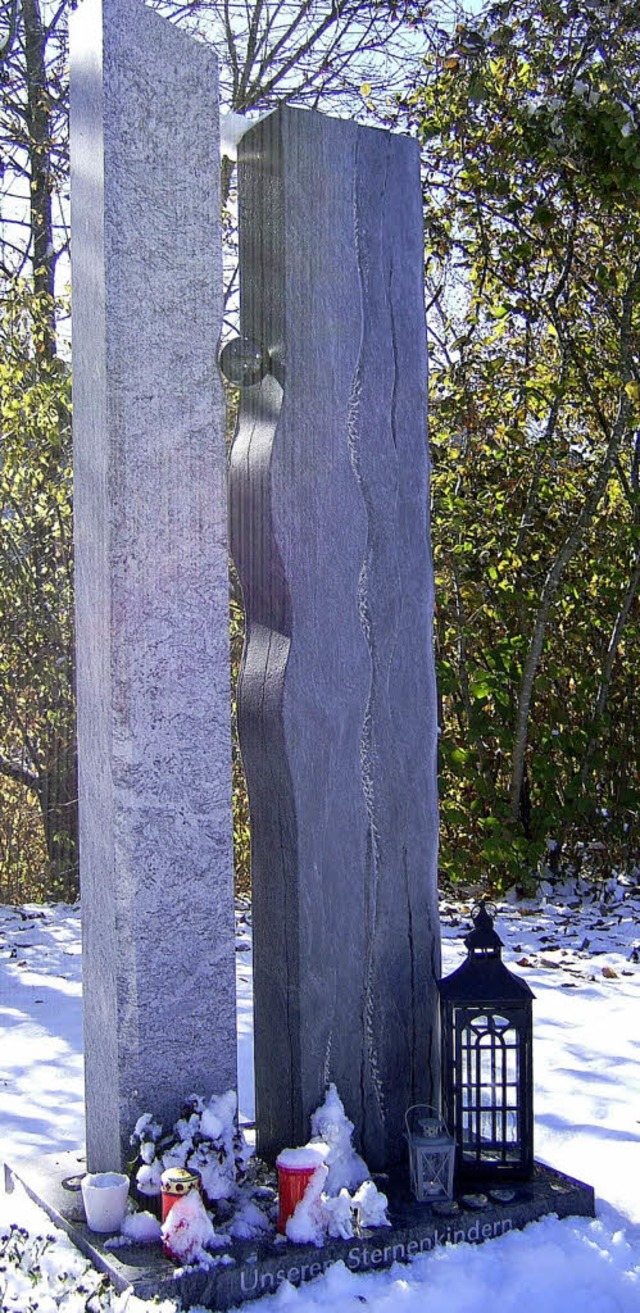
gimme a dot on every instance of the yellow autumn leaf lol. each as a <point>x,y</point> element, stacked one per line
<point>365,90</point>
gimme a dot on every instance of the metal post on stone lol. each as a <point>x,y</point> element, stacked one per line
<point>337,702</point>
<point>151,572</point>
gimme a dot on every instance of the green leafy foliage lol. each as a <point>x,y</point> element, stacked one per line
<point>241,820</point>
<point>37,719</point>
<point>527,115</point>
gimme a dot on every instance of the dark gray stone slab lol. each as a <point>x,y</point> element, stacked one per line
<point>151,572</point>
<point>337,703</point>
<point>250,1270</point>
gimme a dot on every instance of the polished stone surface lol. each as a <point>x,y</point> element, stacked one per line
<point>337,701</point>
<point>151,572</point>
<point>246,1270</point>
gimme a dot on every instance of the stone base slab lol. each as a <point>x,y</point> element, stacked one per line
<point>249,1269</point>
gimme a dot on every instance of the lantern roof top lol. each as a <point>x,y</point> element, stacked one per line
<point>484,978</point>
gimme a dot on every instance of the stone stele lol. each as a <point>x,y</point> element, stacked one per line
<point>337,701</point>
<point>151,572</point>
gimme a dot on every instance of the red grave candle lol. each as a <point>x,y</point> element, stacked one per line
<point>295,1169</point>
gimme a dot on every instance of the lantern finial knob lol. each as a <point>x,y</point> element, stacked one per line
<point>483,940</point>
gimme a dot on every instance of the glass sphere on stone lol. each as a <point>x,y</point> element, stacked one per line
<point>243,362</point>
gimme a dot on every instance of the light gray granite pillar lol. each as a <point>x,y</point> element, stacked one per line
<point>151,572</point>
<point>337,703</point>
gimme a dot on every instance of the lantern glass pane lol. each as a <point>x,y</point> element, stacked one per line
<point>435,1173</point>
<point>512,1065</point>
<point>432,1152</point>
<point>489,1065</point>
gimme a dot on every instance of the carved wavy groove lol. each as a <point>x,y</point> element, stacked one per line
<point>354,441</point>
<point>371,1082</point>
<point>264,662</point>
<point>412,1044</point>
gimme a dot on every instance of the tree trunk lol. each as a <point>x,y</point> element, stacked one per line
<point>39,147</point>
<point>57,791</point>
<point>552,582</point>
<point>573,540</point>
<point>607,669</point>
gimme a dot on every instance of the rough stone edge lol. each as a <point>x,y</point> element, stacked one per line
<point>118,389</point>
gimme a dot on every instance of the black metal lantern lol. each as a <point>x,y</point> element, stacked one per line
<point>487,1067</point>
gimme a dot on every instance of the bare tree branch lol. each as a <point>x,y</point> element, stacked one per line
<point>7,46</point>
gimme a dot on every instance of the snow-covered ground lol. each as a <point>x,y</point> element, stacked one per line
<point>583,963</point>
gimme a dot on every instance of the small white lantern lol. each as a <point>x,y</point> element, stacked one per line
<point>432,1153</point>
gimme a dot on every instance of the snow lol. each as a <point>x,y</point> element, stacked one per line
<point>583,964</point>
<point>249,1222</point>
<point>338,1215</point>
<point>370,1205</point>
<point>142,1228</point>
<point>216,1122</point>
<point>188,1229</point>
<point>205,1142</point>
<point>304,1159</point>
<point>149,1176</point>
<point>331,1126</point>
<point>146,1129</point>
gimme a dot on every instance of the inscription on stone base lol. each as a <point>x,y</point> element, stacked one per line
<point>367,1254</point>
<point>248,1270</point>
